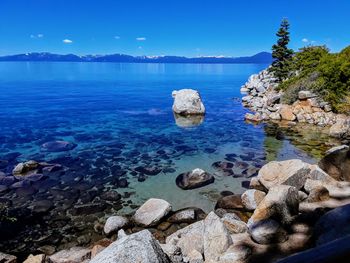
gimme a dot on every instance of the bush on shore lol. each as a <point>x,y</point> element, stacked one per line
<point>328,74</point>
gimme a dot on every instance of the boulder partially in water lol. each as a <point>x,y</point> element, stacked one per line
<point>194,179</point>
<point>187,102</point>
<point>151,212</point>
<point>114,223</point>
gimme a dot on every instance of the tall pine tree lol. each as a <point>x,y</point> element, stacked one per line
<point>281,54</point>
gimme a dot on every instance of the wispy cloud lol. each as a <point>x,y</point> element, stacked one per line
<point>139,47</point>
<point>308,41</point>
<point>140,38</point>
<point>36,35</point>
<point>116,37</point>
<point>67,41</point>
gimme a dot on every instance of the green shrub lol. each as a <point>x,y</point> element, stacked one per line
<point>315,69</point>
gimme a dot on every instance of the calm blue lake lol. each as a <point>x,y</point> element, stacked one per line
<point>120,118</point>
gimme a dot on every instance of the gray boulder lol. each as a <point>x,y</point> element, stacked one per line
<point>138,247</point>
<point>187,102</point>
<point>151,212</point>
<point>114,223</point>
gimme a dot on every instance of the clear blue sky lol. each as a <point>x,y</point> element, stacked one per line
<point>168,27</point>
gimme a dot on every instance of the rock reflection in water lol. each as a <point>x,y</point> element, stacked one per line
<point>188,121</point>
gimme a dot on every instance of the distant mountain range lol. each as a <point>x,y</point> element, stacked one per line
<point>260,58</point>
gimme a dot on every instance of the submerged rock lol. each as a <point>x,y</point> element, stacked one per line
<point>194,179</point>
<point>151,212</point>
<point>187,102</point>
<point>188,121</point>
<point>138,247</point>
<point>58,146</point>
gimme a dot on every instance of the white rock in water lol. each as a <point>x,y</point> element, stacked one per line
<point>138,247</point>
<point>187,102</point>
<point>151,212</point>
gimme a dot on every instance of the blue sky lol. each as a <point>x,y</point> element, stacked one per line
<point>168,27</point>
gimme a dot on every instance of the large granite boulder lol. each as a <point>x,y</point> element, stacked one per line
<point>216,237</point>
<point>194,179</point>
<point>187,102</point>
<point>291,172</point>
<point>281,204</point>
<point>336,163</point>
<point>114,223</point>
<point>333,225</point>
<point>138,247</point>
<point>151,212</point>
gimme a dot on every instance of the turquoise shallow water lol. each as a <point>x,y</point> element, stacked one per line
<point>120,118</point>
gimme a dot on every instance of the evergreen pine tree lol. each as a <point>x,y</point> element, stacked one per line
<point>281,54</point>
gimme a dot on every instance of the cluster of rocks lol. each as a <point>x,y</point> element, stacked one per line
<point>265,101</point>
<point>288,208</point>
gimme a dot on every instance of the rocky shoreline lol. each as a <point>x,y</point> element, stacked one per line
<point>291,206</point>
<point>265,101</point>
